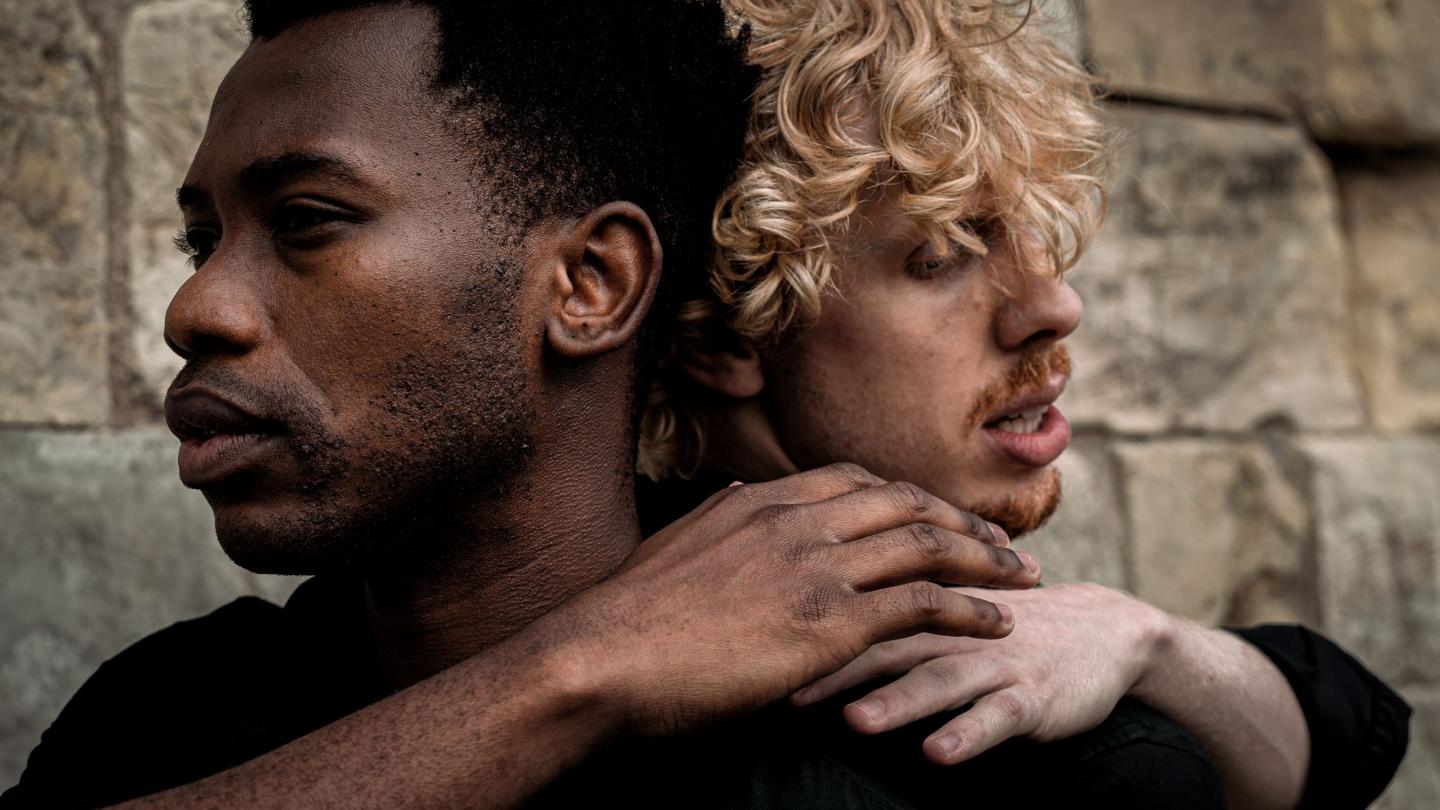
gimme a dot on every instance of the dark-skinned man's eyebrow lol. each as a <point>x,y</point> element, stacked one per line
<point>268,173</point>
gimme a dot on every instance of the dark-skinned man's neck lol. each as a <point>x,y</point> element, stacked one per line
<point>513,554</point>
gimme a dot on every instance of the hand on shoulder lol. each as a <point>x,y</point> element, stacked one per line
<point>766,587</point>
<point>1074,652</point>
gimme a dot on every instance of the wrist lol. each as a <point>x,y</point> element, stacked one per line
<point>1160,639</point>
<point>573,674</point>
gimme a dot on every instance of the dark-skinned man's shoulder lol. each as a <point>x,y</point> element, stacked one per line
<point>201,696</point>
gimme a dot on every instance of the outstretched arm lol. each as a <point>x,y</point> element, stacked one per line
<point>1237,705</point>
<point>761,589</point>
<point>1076,650</point>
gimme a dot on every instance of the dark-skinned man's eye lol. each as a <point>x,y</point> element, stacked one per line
<point>305,225</point>
<point>197,243</point>
<point>297,218</point>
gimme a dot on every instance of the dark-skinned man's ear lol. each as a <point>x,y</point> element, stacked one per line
<point>604,280</point>
<point>733,370</point>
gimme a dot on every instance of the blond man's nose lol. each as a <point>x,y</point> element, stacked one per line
<point>1044,309</point>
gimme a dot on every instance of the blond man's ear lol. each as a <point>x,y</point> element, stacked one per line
<point>733,371</point>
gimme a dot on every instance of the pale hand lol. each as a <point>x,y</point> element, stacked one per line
<point>766,587</point>
<point>1074,652</point>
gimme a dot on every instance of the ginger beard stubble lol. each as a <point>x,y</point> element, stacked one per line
<point>1031,504</point>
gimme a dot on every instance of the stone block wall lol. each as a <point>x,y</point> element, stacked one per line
<point>102,103</point>
<point>1256,397</point>
<point>1257,391</point>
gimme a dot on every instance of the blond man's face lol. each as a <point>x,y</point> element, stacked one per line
<point>917,365</point>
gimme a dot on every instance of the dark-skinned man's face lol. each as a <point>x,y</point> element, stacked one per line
<point>355,359</point>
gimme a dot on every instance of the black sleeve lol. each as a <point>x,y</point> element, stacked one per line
<point>1135,759</point>
<point>148,719</point>
<point>1359,727</point>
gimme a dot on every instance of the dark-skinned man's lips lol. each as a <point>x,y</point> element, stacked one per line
<point>218,438</point>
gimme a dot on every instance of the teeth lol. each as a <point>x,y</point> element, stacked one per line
<point>1027,421</point>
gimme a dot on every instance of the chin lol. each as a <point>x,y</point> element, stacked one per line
<point>271,541</point>
<point>1025,508</point>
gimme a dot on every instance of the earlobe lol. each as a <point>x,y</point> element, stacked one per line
<point>735,371</point>
<point>607,269</point>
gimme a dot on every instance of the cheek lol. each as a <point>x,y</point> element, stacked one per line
<point>361,315</point>
<point>888,388</point>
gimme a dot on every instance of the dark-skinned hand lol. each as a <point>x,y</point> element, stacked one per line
<point>767,587</point>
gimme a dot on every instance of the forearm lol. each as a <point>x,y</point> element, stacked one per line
<point>489,732</point>
<point>1237,705</point>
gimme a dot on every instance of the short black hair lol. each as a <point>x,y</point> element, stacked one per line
<point>593,100</point>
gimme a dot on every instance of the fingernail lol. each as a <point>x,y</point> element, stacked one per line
<point>1001,538</point>
<point>737,483</point>
<point>948,743</point>
<point>1006,614</point>
<point>1030,563</point>
<point>873,709</point>
<point>798,696</point>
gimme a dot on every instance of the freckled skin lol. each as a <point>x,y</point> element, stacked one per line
<point>891,372</point>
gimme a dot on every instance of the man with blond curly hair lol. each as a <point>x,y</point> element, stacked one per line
<point>889,289</point>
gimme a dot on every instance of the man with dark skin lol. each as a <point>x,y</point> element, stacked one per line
<point>417,379</point>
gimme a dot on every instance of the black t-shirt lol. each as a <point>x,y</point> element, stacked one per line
<point>207,694</point>
<point>1359,727</point>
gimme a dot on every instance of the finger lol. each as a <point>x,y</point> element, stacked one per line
<point>993,719</point>
<point>880,660</point>
<point>925,551</point>
<point>812,486</point>
<point>875,509</point>
<point>925,607</point>
<point>935,685</point>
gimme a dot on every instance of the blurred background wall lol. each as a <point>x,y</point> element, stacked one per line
<point>1257,397</point>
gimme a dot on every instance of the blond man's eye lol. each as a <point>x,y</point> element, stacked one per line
<point>927,268</point>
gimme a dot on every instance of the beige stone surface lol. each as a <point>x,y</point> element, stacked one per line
<point>99,546</point>
<point>52,217</point>
<point>1392,213</point>
<point>1230,53</point>
<point>175,53</point>
<point>1378,527</point>
<point>1061,20</point>
<point>1084,541</point>
<point>1417,783</point>
<point>1356,71</point>
<point>1381,73</point>
<point>1215,296</point>
<point>1217,530</point>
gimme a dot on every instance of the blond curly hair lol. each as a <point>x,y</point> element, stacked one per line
<point>956,100</point>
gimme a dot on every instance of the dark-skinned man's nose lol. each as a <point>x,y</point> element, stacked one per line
<point>1041,309</point>
<point>214,312</point>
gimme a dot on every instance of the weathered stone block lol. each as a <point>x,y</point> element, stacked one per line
<point>99,546</point>
<point>1381,71</point>
<point>1392,211</point>
<point>1230,53</point>
<point>1217,531</point>
<point>1417,784</point>
<point>1357,71</point>
<point>1085,539</point>
<point>175,55</point>
<point>1378,521</point>
<point>1215,297</point>
<point>52,218</point>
